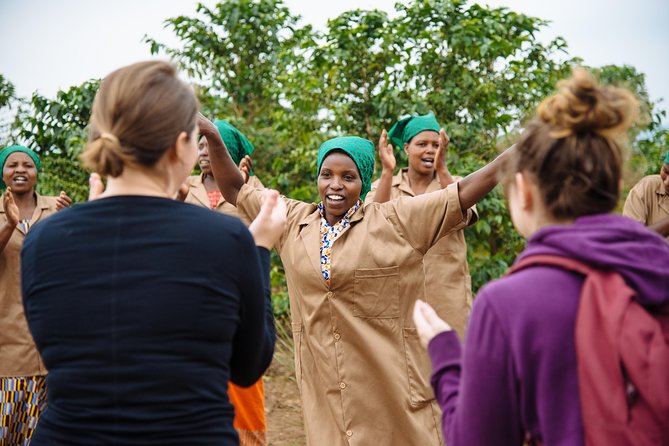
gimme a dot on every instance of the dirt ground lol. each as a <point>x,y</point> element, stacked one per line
<point>282,399</point>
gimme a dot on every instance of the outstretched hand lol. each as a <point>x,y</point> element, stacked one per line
<point>428,324</point>
<point>95,186</point>
<point>11,209</point>
<point>63,201</point>
<point>245,166</point>
<point>270,223</point>
<point>386,153</point>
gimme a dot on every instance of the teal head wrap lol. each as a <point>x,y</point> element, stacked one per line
<point>666,157</point>
<point>359,149</point>
<point>238,145</point>
<point>4,154</point>
<point>407,128</point>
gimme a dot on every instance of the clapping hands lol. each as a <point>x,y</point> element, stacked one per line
<point>270,223</point>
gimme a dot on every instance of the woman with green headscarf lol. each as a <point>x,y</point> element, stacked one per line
<point>201,190</point>
<point>447,279</point>
<point>353,275</point>
<point>22,383</point>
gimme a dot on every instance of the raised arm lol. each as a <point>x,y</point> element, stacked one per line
<point>228,177</point>
<point>385,183</point>
<point>478,184</point>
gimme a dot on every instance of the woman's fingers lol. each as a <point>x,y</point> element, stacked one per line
<point>428,323</point>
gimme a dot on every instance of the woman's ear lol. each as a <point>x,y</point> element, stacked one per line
<point>185,149</point>
<point>524,190</point>
<point>406,148</point>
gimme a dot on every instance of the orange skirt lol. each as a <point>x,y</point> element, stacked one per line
<point>249,421</point>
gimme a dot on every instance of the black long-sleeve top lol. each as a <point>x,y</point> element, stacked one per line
<point>142,309</point>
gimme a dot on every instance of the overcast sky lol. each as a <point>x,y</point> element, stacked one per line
<point>50,45</point>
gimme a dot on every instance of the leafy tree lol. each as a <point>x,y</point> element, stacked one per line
<point>7,92</point>
<point>358,67</point>
<point>239,53</point>
<point>7,96</point>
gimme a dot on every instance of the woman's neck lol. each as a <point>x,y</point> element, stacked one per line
<point>209,182</point>
<point>136,181</point>
<point>543,218</point>
<point>419,182</point>
<point>26,202</point>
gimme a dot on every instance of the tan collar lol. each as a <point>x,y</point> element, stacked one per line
<point>401,180</point>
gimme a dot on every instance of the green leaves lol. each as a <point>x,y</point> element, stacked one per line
<point>6,91</point>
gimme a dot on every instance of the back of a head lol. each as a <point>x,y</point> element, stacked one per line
<point>573,147</point>
<point>138,113</point>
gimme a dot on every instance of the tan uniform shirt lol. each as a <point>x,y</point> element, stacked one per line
<point>648,201</point>
<point>18,354</point>
<point>197,194</point>
<point>359,364</point>
<point>448,285</point>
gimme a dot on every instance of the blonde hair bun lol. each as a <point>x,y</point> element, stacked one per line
<point>582,106</point>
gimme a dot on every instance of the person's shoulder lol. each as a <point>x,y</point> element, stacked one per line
<point>207,216</point>
<point>649,181</point>
<point>46,201</point>
<point>528,285</point>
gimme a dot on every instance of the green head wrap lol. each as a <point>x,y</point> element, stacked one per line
<point>359,149</point>
<point>4,154</point>
<point>666,157</point>
<point>407,128</point>
<point>237,144</point>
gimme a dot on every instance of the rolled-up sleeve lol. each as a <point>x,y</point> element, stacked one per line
<point>424,219</point>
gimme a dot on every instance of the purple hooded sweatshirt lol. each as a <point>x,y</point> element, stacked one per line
<point>517,372</point>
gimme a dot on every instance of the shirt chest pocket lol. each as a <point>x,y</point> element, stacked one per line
<point>376,293</point>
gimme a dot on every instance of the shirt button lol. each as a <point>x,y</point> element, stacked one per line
<point>349,433</point>
<point>337,336</point>
<point>342,385</point>
<point>329,295</point>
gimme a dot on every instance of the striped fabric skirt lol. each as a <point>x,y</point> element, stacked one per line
<point>22,400</point>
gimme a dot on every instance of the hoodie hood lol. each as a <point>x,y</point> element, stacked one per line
<point>611,242</point>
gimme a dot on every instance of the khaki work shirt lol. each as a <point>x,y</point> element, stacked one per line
<point>197,194</point>
<point>448,285</point>
<point>648,201</point>
<point>359,365</point>
<point>18,354</point>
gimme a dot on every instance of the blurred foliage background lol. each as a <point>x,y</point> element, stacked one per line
<point>289,87</point>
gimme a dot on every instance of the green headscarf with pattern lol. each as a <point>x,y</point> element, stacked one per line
<point>238,145</point>
<point>4,154</point>
<point>407,128</point>
<point>666,157</point>
<point>361,152</point>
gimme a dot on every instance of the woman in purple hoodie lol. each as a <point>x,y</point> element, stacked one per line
<point>516,377</point>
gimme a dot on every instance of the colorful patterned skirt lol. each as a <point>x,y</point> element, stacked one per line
<point>249,421</point>
<point>22,400</point>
